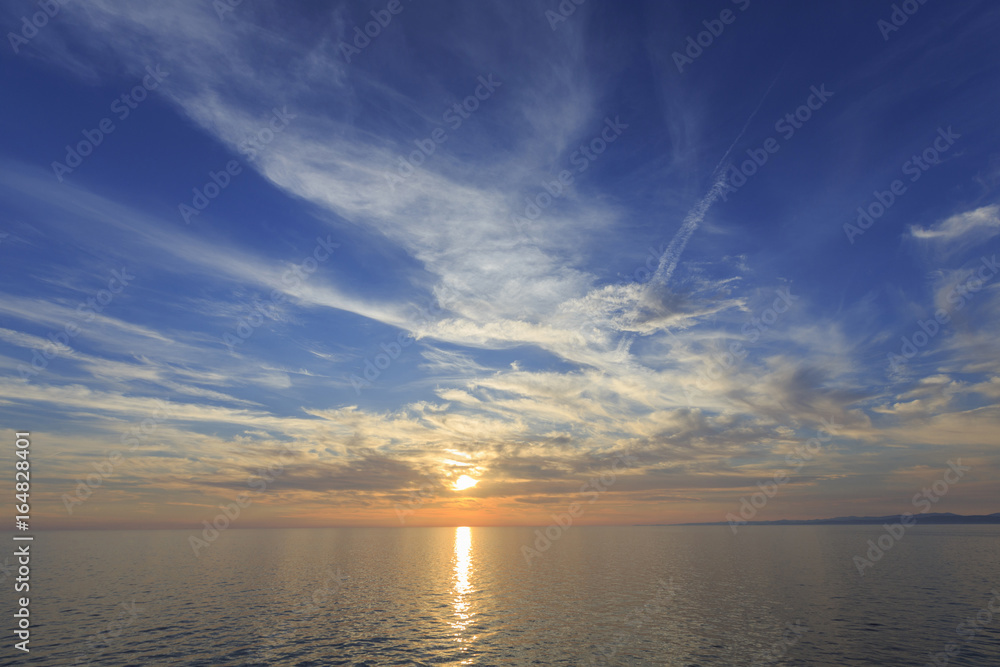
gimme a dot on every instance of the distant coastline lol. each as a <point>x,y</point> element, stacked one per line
<point>929,519</point>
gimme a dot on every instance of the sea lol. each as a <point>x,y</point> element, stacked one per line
<point>633,595</point>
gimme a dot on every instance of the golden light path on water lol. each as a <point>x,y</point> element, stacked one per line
<point>463,568</point>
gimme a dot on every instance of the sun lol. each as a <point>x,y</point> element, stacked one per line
<point>465,482</point>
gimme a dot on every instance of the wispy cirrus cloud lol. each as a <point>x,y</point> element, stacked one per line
<point>982,223</point>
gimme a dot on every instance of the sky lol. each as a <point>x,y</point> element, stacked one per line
<point>637,261</point>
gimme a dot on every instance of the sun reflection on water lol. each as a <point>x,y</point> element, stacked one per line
<point>463,568</point>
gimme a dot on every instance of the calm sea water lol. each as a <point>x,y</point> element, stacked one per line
<point>441,596</point>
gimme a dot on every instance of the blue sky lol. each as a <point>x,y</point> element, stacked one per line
<point>528,232</point>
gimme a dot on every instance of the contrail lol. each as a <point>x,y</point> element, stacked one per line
<point>668,262</point>
<point>746,124</point>
<point>670,257</point>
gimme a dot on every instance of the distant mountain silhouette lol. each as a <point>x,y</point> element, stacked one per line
<point>930,518</point>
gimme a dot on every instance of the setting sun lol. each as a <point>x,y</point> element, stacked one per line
<point>465,482</point>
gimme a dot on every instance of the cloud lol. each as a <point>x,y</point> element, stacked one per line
<point>982,223</point>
